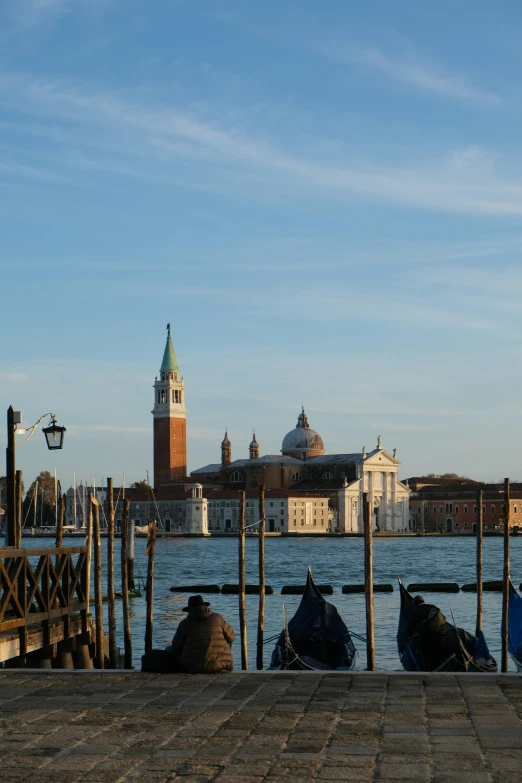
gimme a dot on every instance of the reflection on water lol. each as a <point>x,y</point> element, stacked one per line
<point>333,561</point>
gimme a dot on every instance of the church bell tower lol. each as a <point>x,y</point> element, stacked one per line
<point>170,421</point>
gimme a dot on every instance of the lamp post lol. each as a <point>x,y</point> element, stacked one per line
<point>54,435</point>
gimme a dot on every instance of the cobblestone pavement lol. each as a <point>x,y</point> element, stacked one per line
<point>62,727</point>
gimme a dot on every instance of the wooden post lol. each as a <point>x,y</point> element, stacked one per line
<point>60,521</point>
<point>151,548</point>
<point>18,509</point>
<point>506,577</point>
<point>479,563</point>
<point>242,582</point>
<point>131,538</point>
<point>261,614</point>
<point>88,543</point>
<point>127,638</point>
<point>98,597</point>
<point>10,460</point>
<point>368,583</point>
<point>110,577</point>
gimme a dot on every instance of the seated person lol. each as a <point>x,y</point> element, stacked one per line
<point>202,642</point>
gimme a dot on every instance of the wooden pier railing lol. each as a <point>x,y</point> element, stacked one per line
<point>43,586</point>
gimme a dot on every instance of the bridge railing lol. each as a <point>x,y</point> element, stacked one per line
<point>42,586</point>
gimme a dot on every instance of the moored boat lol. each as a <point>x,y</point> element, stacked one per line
<point>427,642</point>
<point>515,627</point>
<point>315,638</point>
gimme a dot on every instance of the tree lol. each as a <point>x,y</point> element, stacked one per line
<point>45,501</point>
<point>3,491</point>
<point>141,485</point>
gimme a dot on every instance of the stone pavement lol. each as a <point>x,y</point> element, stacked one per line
<point>62,727</point>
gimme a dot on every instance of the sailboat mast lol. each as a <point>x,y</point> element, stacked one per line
<point>35,501</point>
<point>74,499</point>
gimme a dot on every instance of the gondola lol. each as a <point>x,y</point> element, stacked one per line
<point>436,645</point>
<point>515,627</point>
<point>315,638</point>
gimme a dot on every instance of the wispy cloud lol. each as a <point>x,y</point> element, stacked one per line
<point>245,164</point>
<point>423,76</point>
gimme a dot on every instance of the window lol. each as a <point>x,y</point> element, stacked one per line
<point>296,477</point>
<point>465,509</point>
<point>282,512</point>
<point>271,504</point>
<point>282,503</point>
<point>465,524</point>
<point>484,509</point>
<point>493,508</point>
<point>236,476</point>
<point>456,509</point>
<point>441,509</point>
<point>434,509</point>
<point>197,508</point>
<point>474,509</point>
<point>328,475</point>
<point>312,475</point>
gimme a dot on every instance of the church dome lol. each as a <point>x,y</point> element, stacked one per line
<point>303,438</point>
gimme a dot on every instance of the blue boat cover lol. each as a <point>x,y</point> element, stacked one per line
<point>515,625</point>
<point>317,633</point>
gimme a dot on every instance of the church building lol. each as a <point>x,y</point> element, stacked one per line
<point>314,489</point>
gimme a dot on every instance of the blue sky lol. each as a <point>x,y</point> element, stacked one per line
<point>324,200</point>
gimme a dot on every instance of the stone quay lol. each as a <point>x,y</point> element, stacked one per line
<point>248,727</point>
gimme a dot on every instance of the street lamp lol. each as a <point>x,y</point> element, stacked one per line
<point>54,435</point>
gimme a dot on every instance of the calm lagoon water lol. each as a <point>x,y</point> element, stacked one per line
<point>334,561</point>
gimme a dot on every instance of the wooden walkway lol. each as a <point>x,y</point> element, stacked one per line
<point>107,727</point>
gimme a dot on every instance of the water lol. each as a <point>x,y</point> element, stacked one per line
<point>334,561</point>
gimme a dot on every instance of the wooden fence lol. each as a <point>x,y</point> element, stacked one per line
<point>43,586</point>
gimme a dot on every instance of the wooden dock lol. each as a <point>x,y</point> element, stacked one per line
<point>43,602</point>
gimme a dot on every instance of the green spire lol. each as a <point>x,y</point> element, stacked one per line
<point>169,363</point>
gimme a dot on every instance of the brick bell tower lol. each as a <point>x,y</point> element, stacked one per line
<point>170,421</point>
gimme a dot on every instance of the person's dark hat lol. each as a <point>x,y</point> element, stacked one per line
<point>195,601</point>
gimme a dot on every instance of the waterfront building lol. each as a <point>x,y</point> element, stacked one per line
<point>305,469</point>
<point>450,505</point>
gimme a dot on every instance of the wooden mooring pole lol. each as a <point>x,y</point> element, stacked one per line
<point>242,582</point>
<point>98,597</point>
<point>151,549</point>
<point>368,583</point>
<point>261,613</point>
<point>60,521</point>
<point>506,577</point>
<point>479,563</point>
<point>18,509</point>
<point>127,638</point>
<point>131,539</point>
<point>113,661</point>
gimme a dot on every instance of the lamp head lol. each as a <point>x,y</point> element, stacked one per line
<point>54,435</point>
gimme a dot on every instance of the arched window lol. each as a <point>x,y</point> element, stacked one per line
<point>327,475</point>
<point>296,477</point>
<point>236,476</point>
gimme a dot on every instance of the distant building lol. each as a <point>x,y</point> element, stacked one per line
<point>450,506</point>
<point>307,490</point>
<point>170,421</point>
<point>304,469</point>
